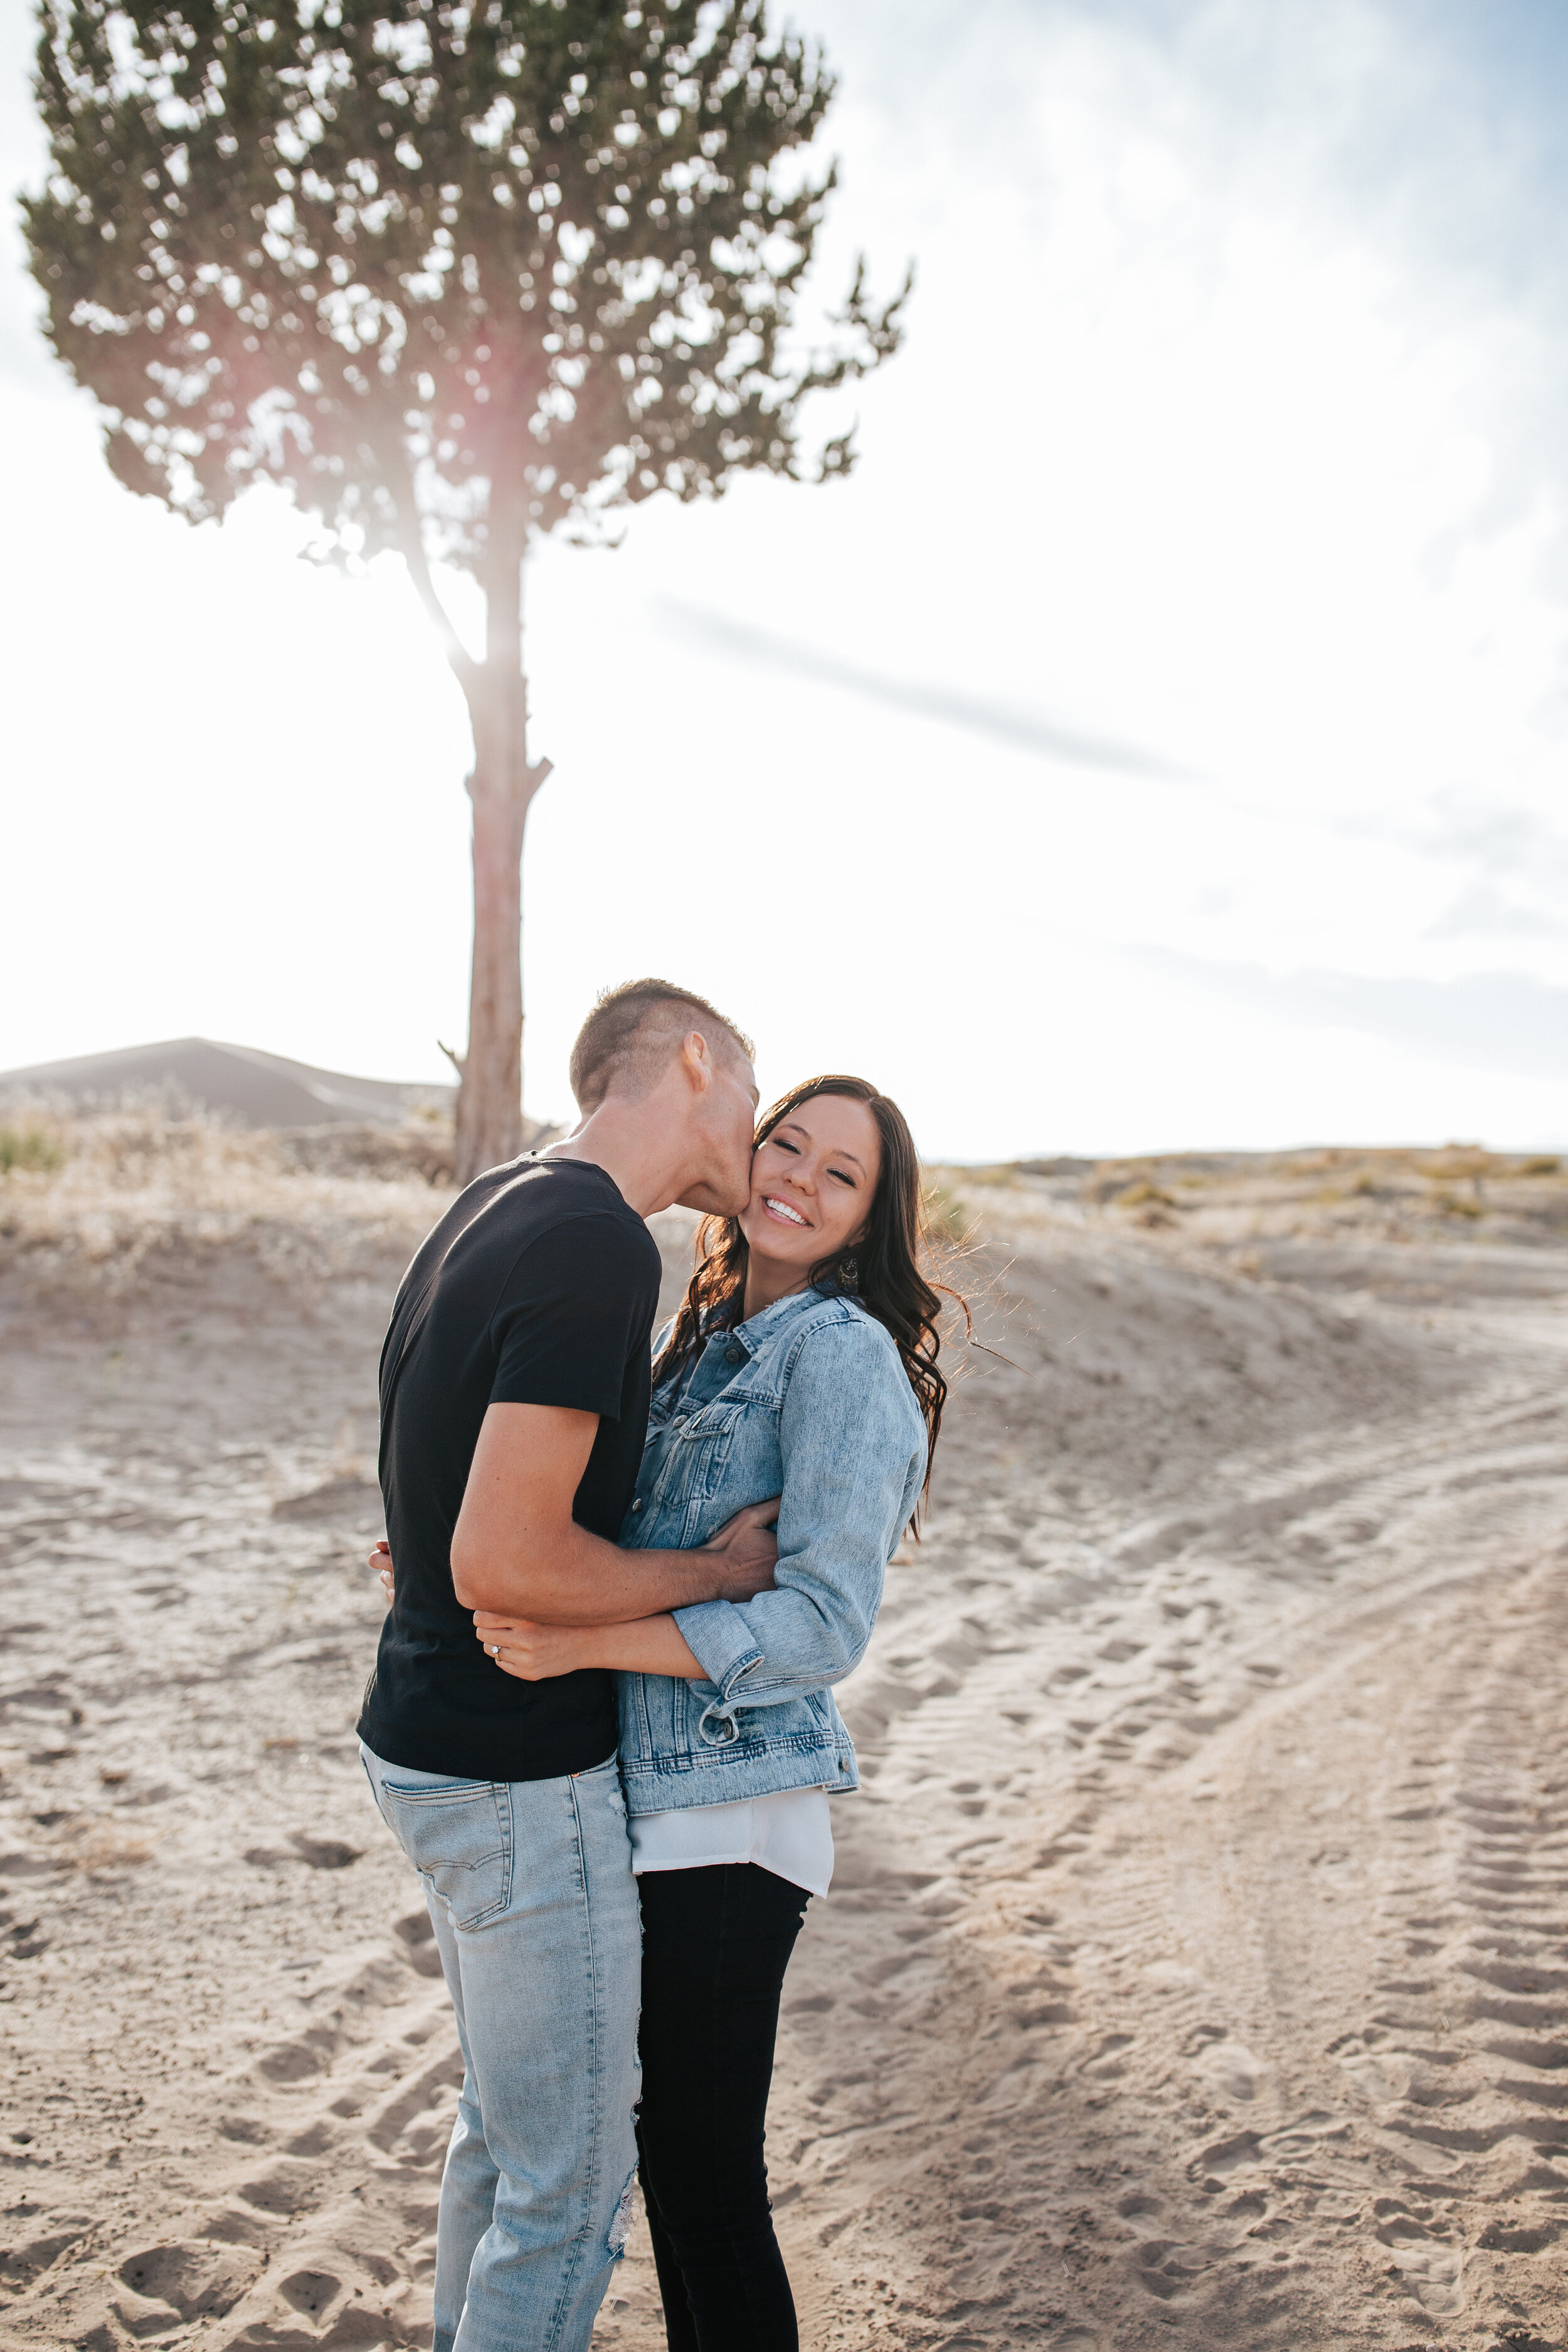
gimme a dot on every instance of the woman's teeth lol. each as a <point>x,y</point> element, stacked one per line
<point>783,1209</point>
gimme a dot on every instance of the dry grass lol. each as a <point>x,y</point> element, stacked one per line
<point>945,1217</point>
<point>109,1195</point>
<point>107,1200</point>
<point>1142,1194</point>
<point>1460,1193</point>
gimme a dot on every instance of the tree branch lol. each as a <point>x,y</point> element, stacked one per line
<point>411,546</point>
<point>399,482</point>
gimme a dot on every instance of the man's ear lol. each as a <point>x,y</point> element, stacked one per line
<point>697,1061</point>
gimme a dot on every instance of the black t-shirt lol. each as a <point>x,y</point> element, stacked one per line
<point>538,1287</point>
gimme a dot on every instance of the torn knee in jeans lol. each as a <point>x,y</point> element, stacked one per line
<point>622,2221</point>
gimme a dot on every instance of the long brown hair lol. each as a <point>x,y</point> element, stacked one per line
<point>882,1270</point>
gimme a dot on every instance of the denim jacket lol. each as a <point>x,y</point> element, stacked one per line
<point>810,1402</point>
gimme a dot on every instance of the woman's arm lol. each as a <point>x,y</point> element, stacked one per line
<point>535,1654</point>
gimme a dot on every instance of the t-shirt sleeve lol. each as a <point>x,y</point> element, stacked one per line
<point>576,1304</point>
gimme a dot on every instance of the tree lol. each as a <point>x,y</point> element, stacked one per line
<point>455,273</point>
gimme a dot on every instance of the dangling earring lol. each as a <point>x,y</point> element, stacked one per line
<point>848,1274</point>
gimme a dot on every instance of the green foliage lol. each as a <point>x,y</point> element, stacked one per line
<point>32,1148</point>
<point>451,274</point>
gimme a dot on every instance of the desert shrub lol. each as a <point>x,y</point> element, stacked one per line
<point>1545,1165</point>
<point>1464,1160</point>
<point>30,1147</point>
<point>1142,1195</point>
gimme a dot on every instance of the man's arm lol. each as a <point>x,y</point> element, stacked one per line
<point>517,1550</point>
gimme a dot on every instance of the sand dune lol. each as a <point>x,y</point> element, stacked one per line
<point>1194,1972</point>
<point>257,1089</point>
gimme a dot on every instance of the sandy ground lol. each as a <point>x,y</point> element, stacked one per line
<point>1195,1973</point>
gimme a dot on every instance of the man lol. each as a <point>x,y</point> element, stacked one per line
<point>514,1393</point>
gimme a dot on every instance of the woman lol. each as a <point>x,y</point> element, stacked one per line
<point>803,1365</point>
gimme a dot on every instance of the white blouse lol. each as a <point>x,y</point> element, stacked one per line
<point>790,1833</point>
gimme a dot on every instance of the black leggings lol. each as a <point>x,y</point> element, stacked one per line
<point>716,1944</point>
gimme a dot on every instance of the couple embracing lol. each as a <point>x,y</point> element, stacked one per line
<point>622,1588</point>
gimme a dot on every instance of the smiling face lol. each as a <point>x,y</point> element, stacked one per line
<point>813,1180</point>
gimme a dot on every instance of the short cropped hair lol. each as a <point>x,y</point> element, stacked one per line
<point>626,1041</point>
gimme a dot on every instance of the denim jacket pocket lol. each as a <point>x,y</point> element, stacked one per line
<point>699,1449</point>
<point>457,1835</point>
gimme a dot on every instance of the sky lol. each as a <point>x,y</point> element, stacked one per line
<point>1158,743</point>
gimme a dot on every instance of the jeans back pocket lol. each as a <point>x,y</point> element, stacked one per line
<point>457,1835</point>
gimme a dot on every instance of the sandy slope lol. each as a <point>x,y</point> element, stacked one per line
<point>1196,1970</point>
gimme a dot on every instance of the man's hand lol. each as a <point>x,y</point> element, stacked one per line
<point>381,1562</point>
<point>747,1548</point>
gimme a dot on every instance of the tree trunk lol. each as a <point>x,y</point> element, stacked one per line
<point>489,1093</point>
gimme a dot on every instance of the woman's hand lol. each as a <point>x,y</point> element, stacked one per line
<point>380,1560</point>
<point>534,1654</point>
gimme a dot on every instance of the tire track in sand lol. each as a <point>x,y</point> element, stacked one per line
<point>1228,1998</point>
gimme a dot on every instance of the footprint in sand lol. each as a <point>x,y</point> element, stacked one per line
<point>310,2292</point>
<point>1230,2068</point>
<point>171,2285</point>
<point>1428,2261</point>
<point>1381,2075</point>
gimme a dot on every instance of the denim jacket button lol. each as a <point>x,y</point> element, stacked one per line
<point>734,1355</point>
<point>637,1505</point>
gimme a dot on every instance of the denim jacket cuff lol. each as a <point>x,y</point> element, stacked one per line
<point>720,1640</point>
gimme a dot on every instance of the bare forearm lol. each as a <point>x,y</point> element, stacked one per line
<point>647,1646</point>
<point>537,1652</point>
<point>578,1578</point>
<point>518,1553</point>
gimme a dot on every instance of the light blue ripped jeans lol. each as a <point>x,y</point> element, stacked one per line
<point>532,1895</point>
